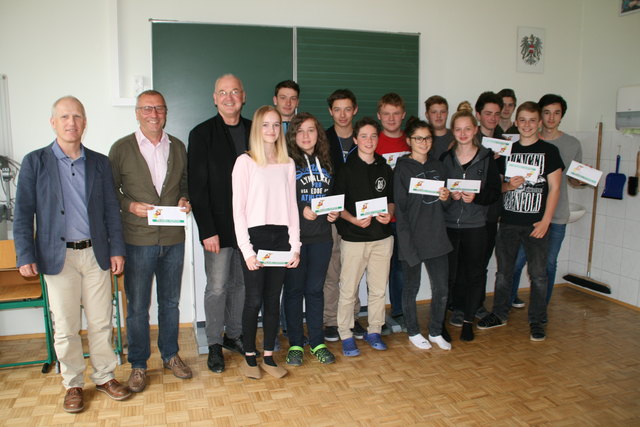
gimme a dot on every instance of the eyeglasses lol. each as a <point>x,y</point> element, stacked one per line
<point>421,139</point>
<point>148,109</point>
<point>234,92</point>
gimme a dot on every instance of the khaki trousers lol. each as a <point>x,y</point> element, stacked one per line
<point>332,284</point>
<point>82,282</point>
<point>358,257</point>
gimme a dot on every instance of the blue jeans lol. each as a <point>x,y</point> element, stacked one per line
<point>438,270</point>
<point>556,236</point>
<point>510,238</point>
<point>223,295</point>
<point>143,262</point>
<point>307,282</point>
<point>396,277</point>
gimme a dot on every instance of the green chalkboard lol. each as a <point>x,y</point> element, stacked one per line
<point>369,63</point>
<point>187,59</point>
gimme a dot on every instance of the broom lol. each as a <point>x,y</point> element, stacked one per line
<point>587,281</point>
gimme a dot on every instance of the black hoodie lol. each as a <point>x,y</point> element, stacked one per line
<point>483,167</point>
<point>359,181</point>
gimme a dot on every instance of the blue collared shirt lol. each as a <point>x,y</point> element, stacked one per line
<point>72,181</point>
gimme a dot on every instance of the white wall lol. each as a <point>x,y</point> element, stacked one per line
<point>50,49</point>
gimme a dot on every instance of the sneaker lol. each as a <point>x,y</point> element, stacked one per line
<point>323,354</point>
<point>295,355</point>
<point>537,332</point>
<point>215,360</point>
<point>331,334</point>
<point>137,380</point>
<point>349,347</point>
<point>440,342</point>
<point>481,312</point>
<point>491,321</point>
<point>445,333</point>
<point>518,303</point>
<point>178,367</point>
<point>456,319</point>
<point>358,331</point>
<point>420,341</point>
<point>386,330</point>
<point>375,341</point>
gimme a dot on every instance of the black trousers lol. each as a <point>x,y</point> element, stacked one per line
<point>263,286</point>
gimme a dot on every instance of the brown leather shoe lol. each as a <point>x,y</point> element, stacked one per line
<point>178,367</point>
<point>137,380</point>
<point>73,400</point>
<point>114,390</point>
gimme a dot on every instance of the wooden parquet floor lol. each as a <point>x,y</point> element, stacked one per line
<point>587,373</point>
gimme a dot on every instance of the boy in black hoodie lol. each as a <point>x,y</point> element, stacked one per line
<point>367,243</point>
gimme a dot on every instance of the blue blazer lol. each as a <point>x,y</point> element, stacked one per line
<point>40,193</point>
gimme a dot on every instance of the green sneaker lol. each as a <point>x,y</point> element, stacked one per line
<point>323,354</point>
<point>294,356</point>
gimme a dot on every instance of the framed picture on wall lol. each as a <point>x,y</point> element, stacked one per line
<point>530,50</point>
<point>629,6</point>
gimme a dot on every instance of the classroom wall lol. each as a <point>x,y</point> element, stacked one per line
<point>50,49</point>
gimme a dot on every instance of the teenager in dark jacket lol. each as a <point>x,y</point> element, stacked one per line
<point>308,147</point>
<point>466,216</point>
<point>422,234</point>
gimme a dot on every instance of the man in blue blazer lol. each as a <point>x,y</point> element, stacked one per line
<point>78,242</point>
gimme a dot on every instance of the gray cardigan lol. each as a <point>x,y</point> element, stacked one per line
<point>133,183</point>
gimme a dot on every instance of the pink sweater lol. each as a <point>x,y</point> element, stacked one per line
<point>264,195</point>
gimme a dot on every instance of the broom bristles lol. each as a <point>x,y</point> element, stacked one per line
<point>589,283</point>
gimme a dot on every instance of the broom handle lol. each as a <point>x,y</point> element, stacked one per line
<point>595,202</point>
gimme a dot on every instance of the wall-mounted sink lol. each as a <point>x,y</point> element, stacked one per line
<point>576,212</point>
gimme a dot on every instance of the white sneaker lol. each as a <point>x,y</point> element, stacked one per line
<point>421,342</point>
<point>441,342</point>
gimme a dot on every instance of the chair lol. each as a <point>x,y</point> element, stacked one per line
<point>20,292</point>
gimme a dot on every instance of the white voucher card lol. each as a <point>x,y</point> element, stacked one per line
<point>528,172</point>
<point>466,185</point>
<point>513,137</point>
<point>273,258</point>
<point>167,215</point>
<point>392,158</point>
<point>324,205</point>
<point>429,187</point>
<point>371,207</point>
<point>584,173</point>
<point>498,146</point>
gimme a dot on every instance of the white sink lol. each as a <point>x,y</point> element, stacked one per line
<point>576,212</point>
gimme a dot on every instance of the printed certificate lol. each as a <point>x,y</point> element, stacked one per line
<point>371,207</point>
<point>513,137</point>
<point>324,205</point>
<point>584,173</point>
<point>528,172</point>
<point>429,187</point>
<point>466,185</point>
<point>273,258</point>
<point>392,158</point>
<point>167,215</point>
<point>498,146</point>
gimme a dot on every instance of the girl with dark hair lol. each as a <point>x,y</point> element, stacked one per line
<point>422,234</point>
<point>309,148</point>
<point>466,216</point>
<point>265,216</point>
